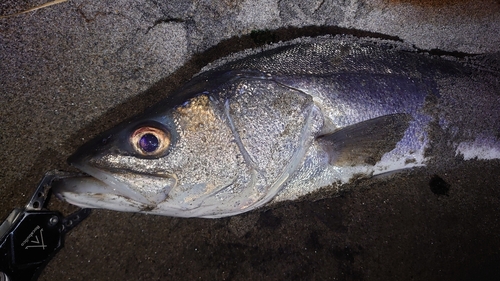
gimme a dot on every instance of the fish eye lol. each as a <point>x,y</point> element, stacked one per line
<point>150,141</point>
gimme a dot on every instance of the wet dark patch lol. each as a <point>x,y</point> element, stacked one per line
<point>486,271</point>
<point>264,263</point>
<point>346,256</point>
<point>328,214</point>
<point>269,220</point>
<point>439,186</point>
<point>346,253</point>
<point>313,241</point>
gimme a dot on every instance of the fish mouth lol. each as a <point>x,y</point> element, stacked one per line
<point>89,192</point>
<point>99,189</point>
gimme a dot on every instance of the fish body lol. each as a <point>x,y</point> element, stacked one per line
<point>278,124</point>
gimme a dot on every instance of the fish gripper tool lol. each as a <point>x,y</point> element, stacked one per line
<point>31,236</point>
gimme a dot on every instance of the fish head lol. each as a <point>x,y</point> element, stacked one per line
<point>171,160</point>
<point>212,154</point>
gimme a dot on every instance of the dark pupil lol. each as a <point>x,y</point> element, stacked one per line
<point>148,143</point>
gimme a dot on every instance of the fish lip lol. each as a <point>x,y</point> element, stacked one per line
<point>87,191</point>
<point>97,194</point>
<point>105,179</point>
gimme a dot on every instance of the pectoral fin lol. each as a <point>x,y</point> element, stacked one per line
<point>365,142</point>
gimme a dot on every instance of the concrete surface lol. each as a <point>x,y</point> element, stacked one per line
<point>69,71</point>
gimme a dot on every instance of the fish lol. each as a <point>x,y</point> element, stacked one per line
<point>278,123</point>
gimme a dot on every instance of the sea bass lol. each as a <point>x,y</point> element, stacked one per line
<point>277,124</point>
